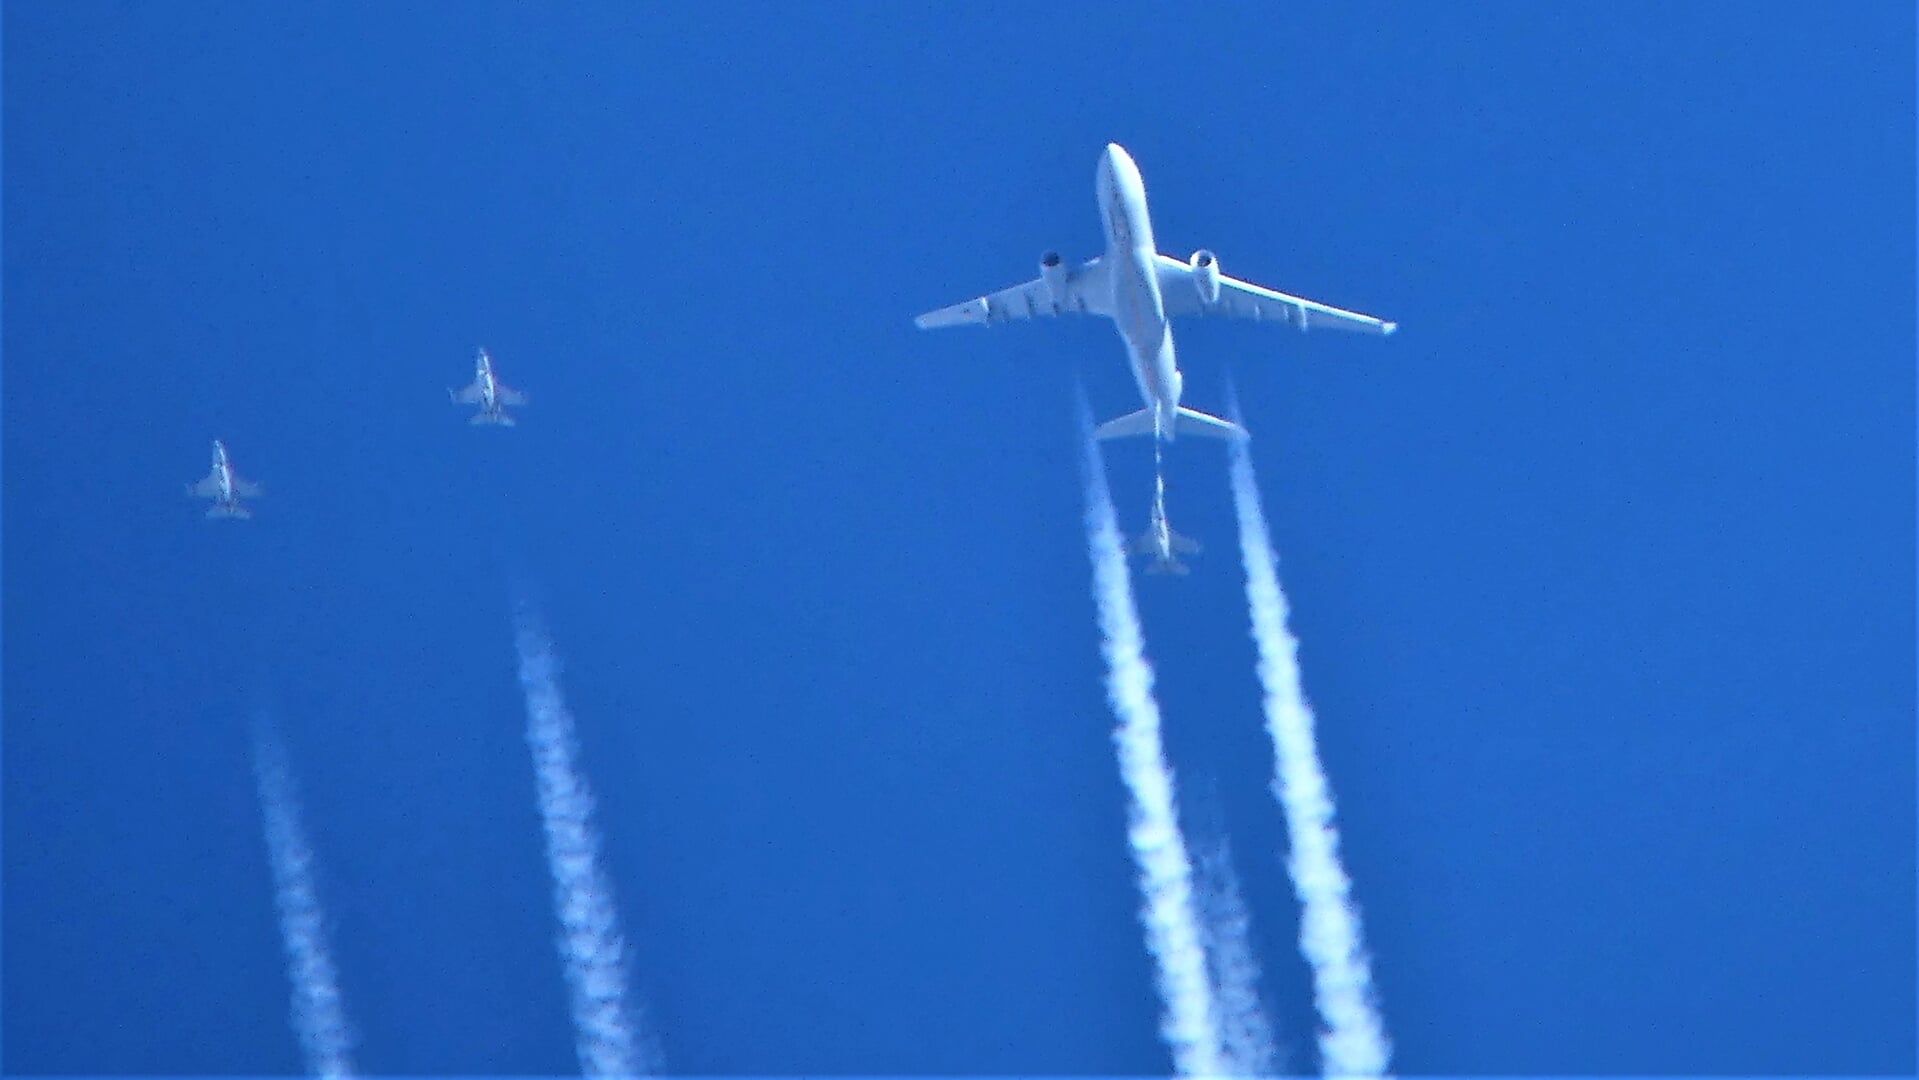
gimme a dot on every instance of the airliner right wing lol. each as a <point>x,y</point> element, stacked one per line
<point>1084,291</point>
<point>1243,299</point>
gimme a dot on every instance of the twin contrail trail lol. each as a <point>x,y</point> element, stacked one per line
<point>1354,1041</point>
<point>606,1035</point>
<point>319,1016</point>
<point>1159,850</point>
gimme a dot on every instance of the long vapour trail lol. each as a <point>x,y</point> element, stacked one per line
<point>1245,1031</point>
<point>1159,850</point>
<point>592,950</point>
<point>319,1016</point>
<point>1353,1042</point>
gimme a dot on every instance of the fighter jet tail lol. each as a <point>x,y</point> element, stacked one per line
<point>498,418</point>
<point>229,510</point>
<point>1167,566</point>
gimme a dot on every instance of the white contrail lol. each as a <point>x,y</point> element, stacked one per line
<point>1354,1041</point>
<point>606,1034</point>
<point>319,1017</point>
<point>1245,1031</point>
<point>1159,851</point>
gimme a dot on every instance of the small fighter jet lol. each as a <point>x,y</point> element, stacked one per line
<point>1160,541</point>
<point>489,393</point>
<point>225,487</point>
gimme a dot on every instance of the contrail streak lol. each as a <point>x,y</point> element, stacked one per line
<point>1354,1041</point>
<point>1159,851</point>
<point>592,950</point>
<point>1246,1033</point>
<point>319,1016</point>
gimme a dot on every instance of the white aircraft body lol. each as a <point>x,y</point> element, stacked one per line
<point>489,393</point>
<point>1160,541</point>
<point>1141,290</point>
<point>225,487</point>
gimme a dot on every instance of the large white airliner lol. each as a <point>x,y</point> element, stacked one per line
<point>1141,290</point>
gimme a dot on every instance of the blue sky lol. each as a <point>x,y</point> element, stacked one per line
<point>1603,566</point>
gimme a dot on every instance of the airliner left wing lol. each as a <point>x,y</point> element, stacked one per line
<point>1079,290</point>
<point>1179,291</point>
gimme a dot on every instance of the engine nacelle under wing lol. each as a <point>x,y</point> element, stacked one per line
<point>1205,276</point>
<point>1052,271</point>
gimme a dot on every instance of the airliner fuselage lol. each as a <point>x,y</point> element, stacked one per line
<point>1138,310</point>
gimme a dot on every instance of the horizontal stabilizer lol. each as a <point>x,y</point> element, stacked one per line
<point>1169,566</point>
<point>1185,422</point>
<point>229,510</point>
<point>1193,422</point>
<point>1138,423</point>
<point>499,418</point>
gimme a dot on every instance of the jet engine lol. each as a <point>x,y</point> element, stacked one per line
<point>1053,272</point>
<point>1205,276</point>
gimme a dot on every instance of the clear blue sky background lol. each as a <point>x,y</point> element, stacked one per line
<point>1603,566</point>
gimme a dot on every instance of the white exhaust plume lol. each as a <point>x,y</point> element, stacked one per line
<point>319,1016</point>
<point>1159,851</point>
<point>1353,1042</point>
<point>606,1035</point>
<point>1245,1031</point>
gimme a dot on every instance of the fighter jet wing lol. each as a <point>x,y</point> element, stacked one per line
<point>1245,300</point>
<point>506,395</point>
<point>470,395</point>
<point>247,489</point>
<point>1084,291</point>
<point>208,488</point>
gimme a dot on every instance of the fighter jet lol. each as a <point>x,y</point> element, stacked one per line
<point>1140,290</point>
<point>225,487</point>
<point>1160,541</point>
<point>489,393</point>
